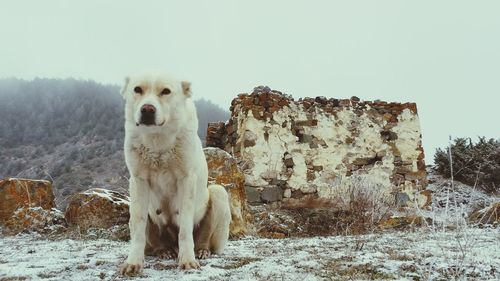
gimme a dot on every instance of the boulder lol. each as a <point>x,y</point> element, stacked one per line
<point>36,219</point>
<point>271,194</point>
<point>97,208</point>
<point>488,215</point>
<point>19,193</point>
<point>223,169</point>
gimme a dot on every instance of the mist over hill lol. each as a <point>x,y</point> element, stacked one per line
<point>70,132</point>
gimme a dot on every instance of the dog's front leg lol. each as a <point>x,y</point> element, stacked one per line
<point>186,187</point>
<point>139,204</point>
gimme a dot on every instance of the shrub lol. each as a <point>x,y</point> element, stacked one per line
<point>358,209</point>
<point>476,164</point>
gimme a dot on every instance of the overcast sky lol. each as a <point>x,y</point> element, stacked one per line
<point>443,55</point>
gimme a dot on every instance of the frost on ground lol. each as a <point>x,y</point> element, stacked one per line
<point>453,203</point>
<point>449,247</point>
<point>468,253</point>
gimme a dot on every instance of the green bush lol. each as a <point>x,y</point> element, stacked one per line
<point>476,164</point>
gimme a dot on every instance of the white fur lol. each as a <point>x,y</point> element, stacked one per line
<point>165,161</point>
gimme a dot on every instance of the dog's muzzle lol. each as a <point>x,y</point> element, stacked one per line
<point>148,115</point>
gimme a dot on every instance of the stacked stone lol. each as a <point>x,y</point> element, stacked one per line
<point>263,102</point>
<point>216,135</point>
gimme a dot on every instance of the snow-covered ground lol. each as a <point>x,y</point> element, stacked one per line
<point>468,253</point>
<point>447,248</point>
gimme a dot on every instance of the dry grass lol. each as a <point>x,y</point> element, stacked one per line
<point>338,270</point>
<point>359,210</point>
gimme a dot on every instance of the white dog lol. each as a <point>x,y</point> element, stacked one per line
<point>172,211</point>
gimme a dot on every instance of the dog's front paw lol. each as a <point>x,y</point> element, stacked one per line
<point>130,269</point>
<point>194,264</point>
<point>203,254</point>
<point>189,264</point>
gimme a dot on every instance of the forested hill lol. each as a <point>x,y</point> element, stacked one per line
<point>69,131</point>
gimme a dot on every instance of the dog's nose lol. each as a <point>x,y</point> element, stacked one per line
<point>148,108</point>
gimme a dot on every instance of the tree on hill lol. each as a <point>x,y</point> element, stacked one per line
<point>69,131</point>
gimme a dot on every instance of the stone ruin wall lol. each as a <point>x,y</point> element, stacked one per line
<point>289,148</point>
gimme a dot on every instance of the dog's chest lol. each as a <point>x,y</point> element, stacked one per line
<point>155,158</point>
<point>164,201</point>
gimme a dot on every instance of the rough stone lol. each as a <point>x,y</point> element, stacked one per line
<point>216,133</point>
<point>305,138</point>
<point>36,219</point>
<point>418,175</point>
<point>310,122</point>
<point>424,199</point>
<point>287,193</point>
<point>223,169</point>
<point>318,168</point>
<point>271,194</point>
<point>388,135</point>
<point>253,195</point>
<point>249,139</point>
<point>288,161</point>
<point>248,143</point>
<point>97,208</point>
<point>18,193</point>
<point>402,199</point>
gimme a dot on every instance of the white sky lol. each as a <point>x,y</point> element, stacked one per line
<point>444,55</point>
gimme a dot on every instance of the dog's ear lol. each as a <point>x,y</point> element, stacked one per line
<point>125,85</point>
<point>186,88</point>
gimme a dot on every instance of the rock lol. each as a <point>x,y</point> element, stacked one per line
<point>288,160</point>
<point>261,89</point>
<point>488,215</point>
<point>321,99</point>
<point>424,199</point>
<point>418,175</point>
<point>401,199</point>
<point>215,134</point>
<point>36,219</point>
<point>305,138</point>
<point>388,135</point>
<point>271,194</point>
<point>287,193</point>
<point>249,138</point>
<point>307,123</point>
<point>97,208</point>
<point>318,168</point>
<point>345,102</point>
<point>253,195</point>
<point>223,169</point>
<point>18,193</point>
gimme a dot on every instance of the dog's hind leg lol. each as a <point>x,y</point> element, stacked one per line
<point>221,218</point>
<point>212,232</point>
<point>202,234</point>
<point>161,242</point>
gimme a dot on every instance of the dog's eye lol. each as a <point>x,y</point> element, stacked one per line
<point>165,91</point>
<point>138,90</point>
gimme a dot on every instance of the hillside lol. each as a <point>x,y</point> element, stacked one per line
<point>69,131</point>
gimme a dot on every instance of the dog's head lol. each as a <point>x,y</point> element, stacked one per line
<point>154,100</point>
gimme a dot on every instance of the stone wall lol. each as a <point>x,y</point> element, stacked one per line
<point>289,148</point>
